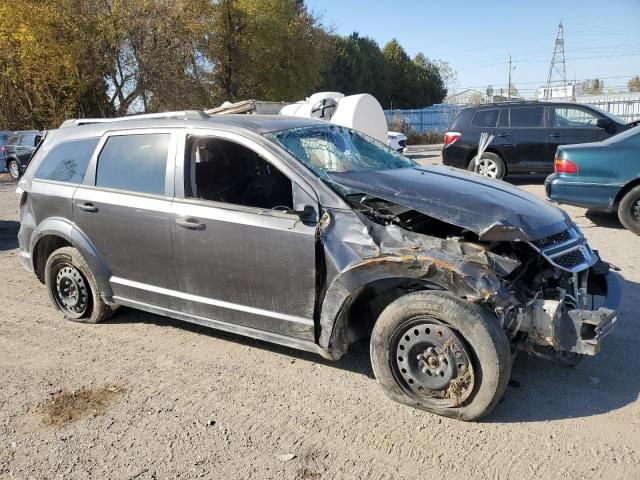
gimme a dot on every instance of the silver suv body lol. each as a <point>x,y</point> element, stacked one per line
<point>313,236</point>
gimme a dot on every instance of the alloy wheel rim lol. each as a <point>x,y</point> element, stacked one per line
<point>13,169</point>
<point>71,292</point>
<point>432,363</point>
<point>635,210</point>
<point>486,167</point>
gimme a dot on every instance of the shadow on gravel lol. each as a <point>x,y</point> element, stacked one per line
<point>523,179</point>
<point>604,219</point>
<point>356,361</point>
<point>8,234</point>
<point>539,390</point>
<point>600,384</point>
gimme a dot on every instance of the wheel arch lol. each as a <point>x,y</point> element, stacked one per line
<point>490,149</point>
<point>358,312</point>
<point>54,233</point>
<point>624,190</point>
<point>8,159</point>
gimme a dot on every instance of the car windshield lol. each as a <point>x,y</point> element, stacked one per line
<point>613,117</point>
<point>332,148</point>
<point>621,137</point>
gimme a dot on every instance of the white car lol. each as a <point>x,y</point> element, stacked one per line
<point>397,141</point>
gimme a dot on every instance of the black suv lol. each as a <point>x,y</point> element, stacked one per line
<point>18,150</point>
<point>526,135</point>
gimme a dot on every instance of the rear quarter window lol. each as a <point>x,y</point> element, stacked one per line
<point>67,162</point>
<point>462,120</point>
<point>485,118</point>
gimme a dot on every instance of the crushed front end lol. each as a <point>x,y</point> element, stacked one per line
<point>569,298</point>
<point>554,297</point>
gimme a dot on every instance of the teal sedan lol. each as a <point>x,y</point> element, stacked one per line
<point>600,176</point>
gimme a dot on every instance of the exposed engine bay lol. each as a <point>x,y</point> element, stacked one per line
<point>552,290</point>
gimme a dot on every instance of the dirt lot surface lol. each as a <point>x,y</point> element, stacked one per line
<point>143,397</point>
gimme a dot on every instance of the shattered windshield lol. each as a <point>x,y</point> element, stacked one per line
<point>332,148</point>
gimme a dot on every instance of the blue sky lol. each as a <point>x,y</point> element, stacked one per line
<point>602,38</point>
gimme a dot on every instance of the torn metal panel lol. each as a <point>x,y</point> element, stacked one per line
<point>360,251</point>
<point>492,209</point>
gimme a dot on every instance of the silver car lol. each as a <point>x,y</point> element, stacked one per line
<point>311,235</point>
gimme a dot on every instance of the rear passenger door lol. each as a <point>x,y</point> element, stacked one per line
<point>528,137</point>
<point>124,206</point>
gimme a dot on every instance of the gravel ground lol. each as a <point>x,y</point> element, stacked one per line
<point>144,396</point>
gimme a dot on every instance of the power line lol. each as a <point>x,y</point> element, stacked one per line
<point>541,82</point>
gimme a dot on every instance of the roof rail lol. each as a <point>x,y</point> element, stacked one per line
<point>186,114</point>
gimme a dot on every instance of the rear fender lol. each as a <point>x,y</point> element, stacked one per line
<point>64,228</point>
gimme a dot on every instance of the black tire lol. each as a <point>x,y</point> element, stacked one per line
<point>66,267</point>
<point>493,159</point>
<point>13,166</point>
<point>629,210</point>
<point>476,330</point>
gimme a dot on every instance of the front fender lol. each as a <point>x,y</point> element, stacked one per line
<point>465,279</point>
<point>64,228</point>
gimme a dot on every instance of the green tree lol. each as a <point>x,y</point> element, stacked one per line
<point>267,49</point>
<point>354,66</point>
<point>592,87</point>
<point>634,84</point>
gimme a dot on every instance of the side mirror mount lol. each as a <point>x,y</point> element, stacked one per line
<point>307,212</point>
<point>604,123</point>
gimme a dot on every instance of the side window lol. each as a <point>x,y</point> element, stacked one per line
<point>67,162</point>
<point>224,171</point>
<point>569,117</point>
<point>526,117</point>
<point>485,118</point>
<point>135,163</point>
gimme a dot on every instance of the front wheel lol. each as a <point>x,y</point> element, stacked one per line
<point>14,169</point>
<point>629,210</point>
<point>489,165</point>
<point>435,351</point>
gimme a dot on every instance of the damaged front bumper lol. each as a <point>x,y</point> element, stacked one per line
<point>587,328</point>
<point>576,330</point>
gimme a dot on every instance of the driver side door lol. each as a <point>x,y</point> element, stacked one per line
<point>240,257</point>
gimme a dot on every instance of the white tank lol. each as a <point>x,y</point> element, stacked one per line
<point>361,112</point>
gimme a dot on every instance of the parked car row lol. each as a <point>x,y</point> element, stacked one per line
<point>526,135</point>
<point>594,155</point>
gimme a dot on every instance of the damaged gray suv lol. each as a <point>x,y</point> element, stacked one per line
<point>311,235</point>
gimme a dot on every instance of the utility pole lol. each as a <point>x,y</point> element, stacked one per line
<point>509,84</point>
<point>557,64</point>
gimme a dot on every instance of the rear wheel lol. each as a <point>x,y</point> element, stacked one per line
<point>437,352</point>
<point>72,287</point>
<point>14,169</point>
<point>629,210</point>
<point>489,165</point>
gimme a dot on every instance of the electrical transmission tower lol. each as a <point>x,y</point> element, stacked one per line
<point>557,64</point>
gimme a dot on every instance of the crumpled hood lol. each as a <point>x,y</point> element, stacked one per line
<point>490,208</point>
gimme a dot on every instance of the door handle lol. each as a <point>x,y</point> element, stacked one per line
<point>87,207</point>
<point>190,224</point>
<point>502,135</point>
<point>555,135</point>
